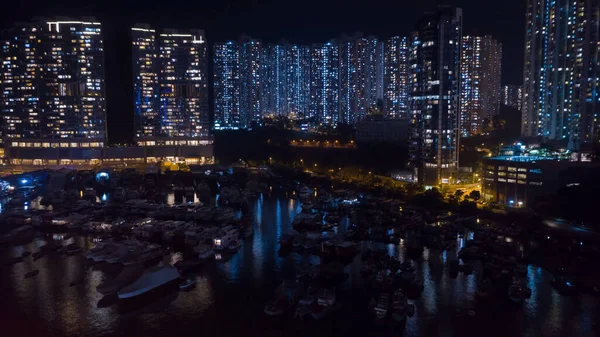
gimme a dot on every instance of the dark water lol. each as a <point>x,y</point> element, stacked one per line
<point>231,294</point>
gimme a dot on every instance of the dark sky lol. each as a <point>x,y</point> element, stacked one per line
<point>297,21</point>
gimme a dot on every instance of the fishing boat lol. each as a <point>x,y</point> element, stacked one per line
<point>400,307</point>
<point>286,296</point>
<point>205,252</point>
<point>187,284</point>
<point>326,303</point>
<point>234,246</point>
<point>381,307</point>
<point>517,292</point>
<point>248,232</point>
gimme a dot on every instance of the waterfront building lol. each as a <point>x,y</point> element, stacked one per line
<point>226,86</point>
<point>170,83</point>
<point>481,62</point>
<point>324,83</point>
<point>145,81</point>
<point>395,78</point>
<point>183,84</point>
<point>519,180</point>
<point>434,60</point>
<point>512,96</point>
<point>561,71</point>
<point>52,82</point>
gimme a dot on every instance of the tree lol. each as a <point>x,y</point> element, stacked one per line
<point>459,193</point>
<point>475,195</point>
<point>467,207</point>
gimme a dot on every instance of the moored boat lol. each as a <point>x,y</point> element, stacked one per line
<point>151,279</point>
<point>187,284</point>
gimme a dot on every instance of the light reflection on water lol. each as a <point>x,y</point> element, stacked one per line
<point>230,295</point>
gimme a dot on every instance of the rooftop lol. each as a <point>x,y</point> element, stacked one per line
<point>525,159</point>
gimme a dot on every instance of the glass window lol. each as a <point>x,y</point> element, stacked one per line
<point>501,174</point>
<point>522,176</point>
<point>511,181</point>
<point>501,168</point>
<point>512,169</point>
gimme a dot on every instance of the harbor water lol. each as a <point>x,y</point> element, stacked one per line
<point>231,293</point>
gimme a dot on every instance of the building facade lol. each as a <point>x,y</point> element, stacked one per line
<point>434,61</point>
<point>52,81</point>
<point>324,83</point>
<point>518,181</point>
<point>512,96</point>
<point>145,81</point>
<point>183,84</point>
<point>170,83</point>
<point>395,77</point>
<point>226,86</point>
<point>249,67</point>
<point>481,62</point>
<point>560,91</point>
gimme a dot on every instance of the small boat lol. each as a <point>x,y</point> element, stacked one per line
<point>326,303</point>
<point>517,292</point>
<point>75,283</point>
<point>37,255</point>
<point>31,273</point>
<point>400,307</point>
<point>187,284</point>
<point>381,307</point>
<point>286,296</point>
<point>72,250</point>
<point>205,252</point>
<point>248,232</point>
<point>234,246</point>
<point>14,260</point>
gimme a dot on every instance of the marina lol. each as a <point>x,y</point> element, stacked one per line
<point>282,265</point>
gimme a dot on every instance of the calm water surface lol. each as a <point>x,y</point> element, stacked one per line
<point>231,293</point>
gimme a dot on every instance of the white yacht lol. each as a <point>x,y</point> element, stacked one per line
<point>151,279</point>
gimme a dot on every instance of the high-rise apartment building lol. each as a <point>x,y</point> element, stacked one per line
<point>324,83</point>
<point>481,61</point>
<point>183,84</point>
<point>226,86</point>
<point>512,96</point>
<point>395,78</point>
<point>560,78</point>
<point>145,81</point>
<point>250,54</point>
<point>360,77</point>
<point>52,82</point>
<point>297,72</point>
<point>170,83</point>
<point>434,60</point>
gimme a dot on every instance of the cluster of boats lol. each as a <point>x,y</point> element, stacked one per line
<point>312,302</point>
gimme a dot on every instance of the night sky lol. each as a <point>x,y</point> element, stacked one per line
<point>307,21</point>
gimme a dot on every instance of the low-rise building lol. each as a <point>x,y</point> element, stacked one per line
<point>57,152</point>
<point>518,181</point>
